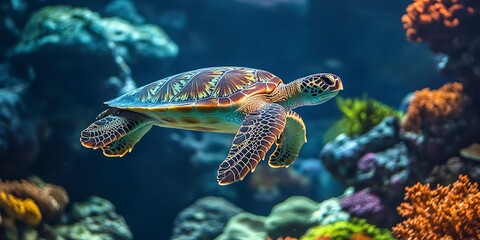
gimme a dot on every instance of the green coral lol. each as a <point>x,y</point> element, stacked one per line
<point>343,230</point>
<point>360,115</point>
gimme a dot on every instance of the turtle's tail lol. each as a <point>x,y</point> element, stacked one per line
<point>117,133</point>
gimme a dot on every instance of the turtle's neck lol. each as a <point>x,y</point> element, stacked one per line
<point>287,95</point>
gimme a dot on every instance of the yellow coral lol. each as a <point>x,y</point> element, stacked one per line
<point>51,199</point>
<point>25,210</point>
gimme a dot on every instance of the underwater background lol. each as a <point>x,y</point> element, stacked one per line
<point>408,114</point>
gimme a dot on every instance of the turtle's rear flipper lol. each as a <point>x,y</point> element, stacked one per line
<point>289,144</point>
<point>258,132</point>
<point>107,132</point>
<point>125,144</point>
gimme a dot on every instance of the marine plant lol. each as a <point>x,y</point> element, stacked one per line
<point>25,210</point>
<point>435,107</point>
<point>356,228</point>
<point>446,212</point>
<point>359,116</point>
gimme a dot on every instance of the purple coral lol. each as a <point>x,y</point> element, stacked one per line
<point>362,204</point>
<point>366,162</point>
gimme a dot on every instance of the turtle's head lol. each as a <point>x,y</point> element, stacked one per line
<point>319,88</point>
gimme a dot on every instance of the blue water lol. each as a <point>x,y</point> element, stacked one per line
<point>363,42</point>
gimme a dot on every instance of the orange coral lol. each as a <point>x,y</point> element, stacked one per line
<point>24,210</point>
<point>439,21</point>
<point>435,106</point>
<point>51,199</point>
<point>361,236</point>
<point>447,212</point>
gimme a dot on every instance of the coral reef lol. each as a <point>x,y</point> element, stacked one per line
<point>345,230</point>
<point>449,27</point>
<point>19,144</point>
<point>435,107</point>
<point>377,159</point>
<point>24,210</point>
<point>291,217</point>
<point>284,238</point>
<point>363,203</point>
<point>244,226</point>
<point>362,114</point>
<point>441,23</point>
<point>439,123</point>
<point>328,212</point>
<point>446,212</point>
<point>272,183</point>
<point>94,219</point>
<point>448,172</point>
<point>19,136</point>
<point>85,34</point>
<point>88,42</point>
<point>51,199</point>
<point>124,9</point>
<point>205,219</point>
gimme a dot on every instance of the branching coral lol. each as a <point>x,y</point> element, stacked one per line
<point>435,107</point>
<point>362,114</point>
<point>450,27</point>
<point>439,21</point>
<point>51,199</point>
<point>345,230</point>
<point>447,212</point>
<point>24,210</point>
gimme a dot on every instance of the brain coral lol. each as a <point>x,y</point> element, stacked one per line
<point>51,199</point>
<point>447,212</point>
<point>435,106</point>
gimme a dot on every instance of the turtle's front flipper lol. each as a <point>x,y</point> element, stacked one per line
<point>116,133</point>
<point>289,144</point>
<point>258,132</point>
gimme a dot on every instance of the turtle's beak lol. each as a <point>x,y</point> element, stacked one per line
<point>336,83</point>
<point>339,85</point>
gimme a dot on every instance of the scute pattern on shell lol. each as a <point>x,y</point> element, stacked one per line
<point>217,82</point>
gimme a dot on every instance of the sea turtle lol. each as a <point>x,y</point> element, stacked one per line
<point>252,103</point>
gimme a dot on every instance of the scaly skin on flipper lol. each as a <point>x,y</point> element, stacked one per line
<point>111,128</point>
<point>257,134</point>
<point>125,144</point>
<point>290,143</point>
